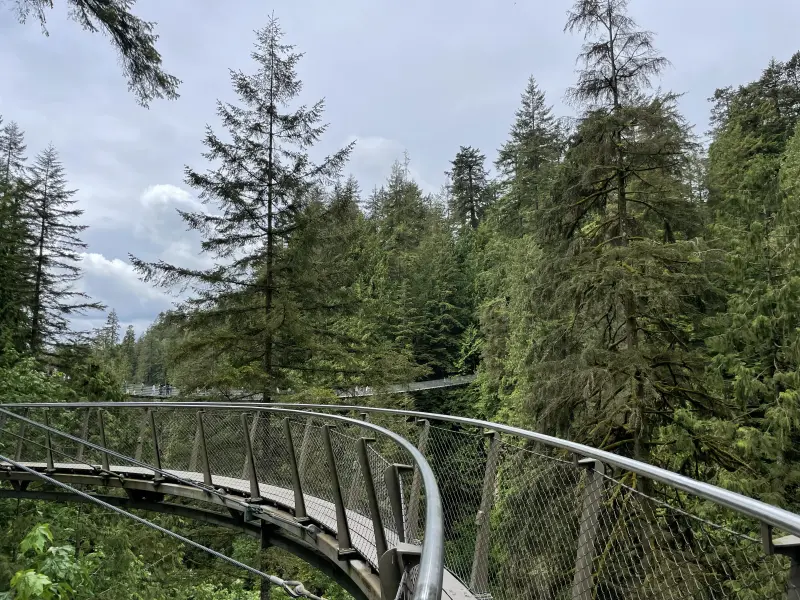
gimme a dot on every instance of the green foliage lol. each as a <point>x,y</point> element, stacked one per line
<point>133,38</point>
<point>49,572</point>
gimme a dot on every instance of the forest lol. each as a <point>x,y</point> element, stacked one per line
<point>615,277</point>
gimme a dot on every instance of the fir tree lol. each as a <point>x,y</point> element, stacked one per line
<point>56,247</point>
<point>620,275</point>
<point>260,189</point>
<point>470,191</point>
<point>528,158</point>
<point>133,38</point>
<point>15,254</point>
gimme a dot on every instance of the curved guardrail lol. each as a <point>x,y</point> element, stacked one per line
<point>534,516</point>
<point>333,481</point>
<point>526,515</point>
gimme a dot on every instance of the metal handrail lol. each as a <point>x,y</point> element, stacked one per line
<point>761,511</point>
<point>431,567</point>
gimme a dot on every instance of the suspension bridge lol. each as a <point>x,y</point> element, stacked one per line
<point>408,505</point>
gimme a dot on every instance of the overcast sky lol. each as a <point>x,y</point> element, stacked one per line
<point>423,76</point>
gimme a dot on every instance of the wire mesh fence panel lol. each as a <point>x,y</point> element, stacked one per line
<point>458,460</point>
<point>315,475</point>
<point>224,438</point>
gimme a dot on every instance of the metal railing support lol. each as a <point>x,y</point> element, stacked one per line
<point>786,546</point>
<point>394,489</point>
<point>416,482</point>
<point>103,455</point>
<point>195,447</point>
<point>297,486</point>
<point>342,527</point>
<point>21,438</point>
<point>84,432</point>
<point>151,413</point>
<point>372,497</point>
<point>48,442</point>
<point>142,433</point>
<point>202,449</point>
<point>301,467</point>
<point>250,462</point>
<point>479,576</point>
<point>583,580</point>
<point>253,432</point>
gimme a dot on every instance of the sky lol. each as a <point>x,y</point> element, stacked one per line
<point>419,76</point>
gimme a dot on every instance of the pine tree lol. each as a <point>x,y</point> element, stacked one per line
<point>262,185</point>
<point>133,38</point>
<point>470,191</point>
<point>56,246</point>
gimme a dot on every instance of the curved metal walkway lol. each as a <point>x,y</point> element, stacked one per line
<point>399,504</point>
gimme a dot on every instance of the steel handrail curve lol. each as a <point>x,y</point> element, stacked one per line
<point>760,511</point>
<point>431,566</point>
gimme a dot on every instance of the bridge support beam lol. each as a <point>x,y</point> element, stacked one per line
<point>250,462</point>
<point>479,576</point>
<point>583,580</point>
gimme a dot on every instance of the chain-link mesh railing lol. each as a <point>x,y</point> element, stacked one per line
<point>527,517</point>
<point>269,456</point>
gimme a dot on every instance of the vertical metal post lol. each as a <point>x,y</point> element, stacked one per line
<point>21,438</point>
<point>156,450</point>
<point>785,546</point>
<point>49,443</point>
<point>201,437</point>
<point>416,483</point>
<point>253,431</point>
<point>372,497</point>
<point>142,433</point>
<point>301,467</point>
<point>265,591</point>
<point>84,432</point>
<point>195,447</point>
<point>103,455</point>
<point>583,581</point>
<point>342,528</point>
<point>255,493</point>
<point>299,500</point>
<point>479,576</point>
<point>394,489</point>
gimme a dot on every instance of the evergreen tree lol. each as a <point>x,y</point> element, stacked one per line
<point>128,351</point>
<point>56,247</point>
<point>133,38</point>
<point>261,187</point>
<point>470,191</point>
<point>754,170</point>
<point>15,255</point>
<point>621,278</point>
<point>528,158</point>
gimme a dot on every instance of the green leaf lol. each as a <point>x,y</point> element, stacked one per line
<point>29,584</point>
<point>37,539</point>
